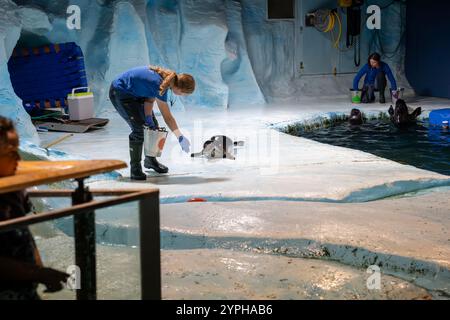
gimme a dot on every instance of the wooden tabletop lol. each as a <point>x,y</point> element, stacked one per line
<point>33,173</point>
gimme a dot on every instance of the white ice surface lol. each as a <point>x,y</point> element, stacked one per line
<point>270,165</point>
<point>290,168</point>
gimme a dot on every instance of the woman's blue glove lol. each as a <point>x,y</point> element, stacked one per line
<point>185,144</point>
<point>149,122</point>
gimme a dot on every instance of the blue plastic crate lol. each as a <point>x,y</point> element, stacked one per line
<point>48,73</point>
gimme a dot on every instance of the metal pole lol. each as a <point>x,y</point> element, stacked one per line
<point>150,247</point>
<point>84,230</point>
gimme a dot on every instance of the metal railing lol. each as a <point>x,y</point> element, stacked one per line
<point>83,209</point>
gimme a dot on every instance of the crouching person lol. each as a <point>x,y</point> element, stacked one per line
<point>375,72</point>
<point>21,269</point>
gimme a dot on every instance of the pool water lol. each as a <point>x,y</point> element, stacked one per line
<point>418,145</point>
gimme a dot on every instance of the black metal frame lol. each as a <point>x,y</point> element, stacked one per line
<point>83,209</point>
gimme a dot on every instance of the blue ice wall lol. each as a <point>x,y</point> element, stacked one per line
<point>12,21</point>
<point>236,55</point>
<point>428,47</point>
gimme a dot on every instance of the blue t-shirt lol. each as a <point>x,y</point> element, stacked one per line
<point>371,75</point>
<point>140,82</point>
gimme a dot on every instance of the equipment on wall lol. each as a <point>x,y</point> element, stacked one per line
<point>354,29</point>
<point>325,20</point>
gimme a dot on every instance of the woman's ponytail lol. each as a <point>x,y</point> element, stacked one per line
<point>167,76</point>
<point>165,84</point>
<point>185,82</point>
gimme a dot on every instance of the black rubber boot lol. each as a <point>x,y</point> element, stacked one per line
<point>371,93</point>
<point>367,94</point>
<point>364,97</point>
<point>152,163</point>
<point>382,97</point>
<point>135,161</point>
<point>381,85</point>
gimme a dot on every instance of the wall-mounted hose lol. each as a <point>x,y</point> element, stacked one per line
<point>325,21</point>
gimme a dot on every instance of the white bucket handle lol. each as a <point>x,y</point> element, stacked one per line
<point>75,89</point>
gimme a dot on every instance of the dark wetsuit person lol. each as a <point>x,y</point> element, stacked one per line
<point>21,268</point>
<point>375,72</point>
<point>133,93</point>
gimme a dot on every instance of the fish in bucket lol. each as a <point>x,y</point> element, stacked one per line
<point>154,140</point>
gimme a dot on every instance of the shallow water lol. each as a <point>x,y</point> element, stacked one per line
<point>418,145</point>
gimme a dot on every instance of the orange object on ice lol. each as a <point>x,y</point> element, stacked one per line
<point>196,200</point>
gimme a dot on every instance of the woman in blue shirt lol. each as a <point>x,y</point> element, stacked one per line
<point>133,93</point>
<point>376,72</point>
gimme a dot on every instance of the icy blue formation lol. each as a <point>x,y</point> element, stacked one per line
<point>236,55</point>
<point>10,104</point>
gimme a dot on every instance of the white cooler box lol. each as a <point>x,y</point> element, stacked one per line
<point>81,104</point>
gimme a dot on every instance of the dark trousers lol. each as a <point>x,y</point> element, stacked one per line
<point>367,93</point>
<point>131,109</point>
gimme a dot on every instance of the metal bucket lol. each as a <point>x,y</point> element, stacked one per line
<point>397,94</point>
<point>355,96</point>
<point>154,140</point>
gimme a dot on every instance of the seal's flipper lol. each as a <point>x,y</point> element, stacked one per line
<point>196,155</point>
